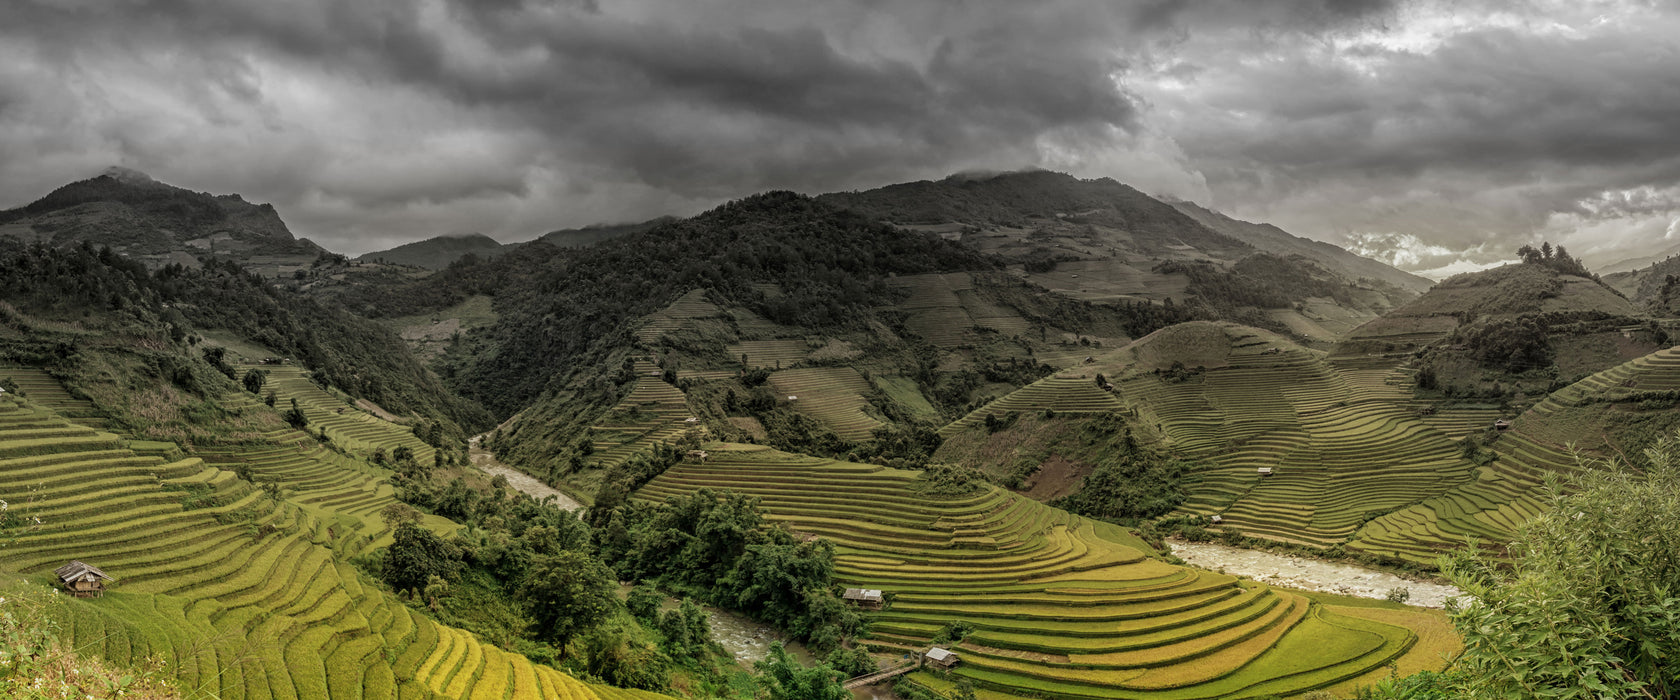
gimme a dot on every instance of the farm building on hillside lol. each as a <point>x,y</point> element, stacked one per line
<point>1501,424</point>
<point>697,455</point>
<point>866,598</point>
<point>82,580</point>
<point>943,658</point>
<point>1264,471</point>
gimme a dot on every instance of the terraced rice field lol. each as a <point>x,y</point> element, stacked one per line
<point>43,390</point>
<point>1072,391</point>
<point>774,354</point>
<point>352,428</point>
<point>692,305</point>
<point>1062,606</point>
<point>935,310</point>
<point>1340,444</point>
<point>1508,491</point>
<point>832,395</point>
<point>247,598</point>
<point>652,413</point>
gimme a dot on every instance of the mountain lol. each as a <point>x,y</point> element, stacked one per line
<point>1635,264</point>
<point>158,223</point>
<point>1508,335</point>
<point>1280,242</point>
<point>590,235</point>
<point>1099,240</point>
<point>437,253</point>
<point>1649,285</point>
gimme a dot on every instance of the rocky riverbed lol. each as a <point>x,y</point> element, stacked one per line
<point>518,480</point>
<point>1307,574</point>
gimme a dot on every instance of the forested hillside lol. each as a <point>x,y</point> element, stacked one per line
<point>96,293</point>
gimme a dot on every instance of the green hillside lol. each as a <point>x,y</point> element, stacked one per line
<point>1060,606</point>
<point>1621,410</point>
<point>1340,445</point>
<point>242,593</point>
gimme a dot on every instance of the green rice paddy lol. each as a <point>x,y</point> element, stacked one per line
<point>242,596</point>
<point>1061,606</point>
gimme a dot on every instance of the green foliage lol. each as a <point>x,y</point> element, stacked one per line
<point>643,603</point>
<point>717,546</point>
<point>254,379</point>
<point>953,632</point>
<point>568,593</point>
<point>1130,482</point>
<point>416,555</point>
<point>687,631</point>
<point>1591,605</point>
<point>196,496</point>
<point>783,678</point>
<point>612,655</point>
<point>852,662</point>
<point>1514,345</point>
<point>1425,685</point>
<point>940,479</point>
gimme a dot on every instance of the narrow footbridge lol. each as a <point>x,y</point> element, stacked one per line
<point>879,676</point>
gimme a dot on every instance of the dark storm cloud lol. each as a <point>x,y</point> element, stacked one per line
<point>377,121</point>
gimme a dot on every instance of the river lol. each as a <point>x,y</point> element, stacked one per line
<point>1307,574</point>
<point>520,481</point>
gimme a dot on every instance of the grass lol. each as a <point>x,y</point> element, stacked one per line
<point>1061,606</point>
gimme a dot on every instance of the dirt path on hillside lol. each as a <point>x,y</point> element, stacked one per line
<point>516,479</point>
<point>1302,573</point>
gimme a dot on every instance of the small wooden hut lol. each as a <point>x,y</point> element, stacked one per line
<point>697,455</point>
<point>82,580</point>
<point>1501,424</point>
<point>866,598</point>
<point>1264,471</point>
<point>942,658</point>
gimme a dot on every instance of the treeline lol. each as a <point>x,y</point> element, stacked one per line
<point>358,356</point>
<point>1554,258</point>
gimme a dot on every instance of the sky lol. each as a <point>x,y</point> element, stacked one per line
<point>1437,136</point>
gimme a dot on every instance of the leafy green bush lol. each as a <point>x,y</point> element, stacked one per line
<point>1589,607</point>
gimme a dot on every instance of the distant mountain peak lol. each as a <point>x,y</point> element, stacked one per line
<point>128,176</point>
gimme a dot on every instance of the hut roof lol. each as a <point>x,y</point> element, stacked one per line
<point>938,654</point>
<point>862,594</point>
<point>76,570</point>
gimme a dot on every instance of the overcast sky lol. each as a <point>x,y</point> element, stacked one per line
<point>1434,135</point>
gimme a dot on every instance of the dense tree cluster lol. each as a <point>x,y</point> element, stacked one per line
<point>717,547</point>
<point>1555,258</point>
<point>1130,482</point>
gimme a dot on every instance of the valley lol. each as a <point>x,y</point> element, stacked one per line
<point>1047,423</point>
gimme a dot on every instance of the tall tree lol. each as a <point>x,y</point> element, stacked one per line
<point>569,593</point>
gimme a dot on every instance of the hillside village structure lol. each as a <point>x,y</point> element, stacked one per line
<point>82,580</point>
<point>866,598</point>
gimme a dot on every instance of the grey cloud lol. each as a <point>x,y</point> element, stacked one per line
<point>386,119</point>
